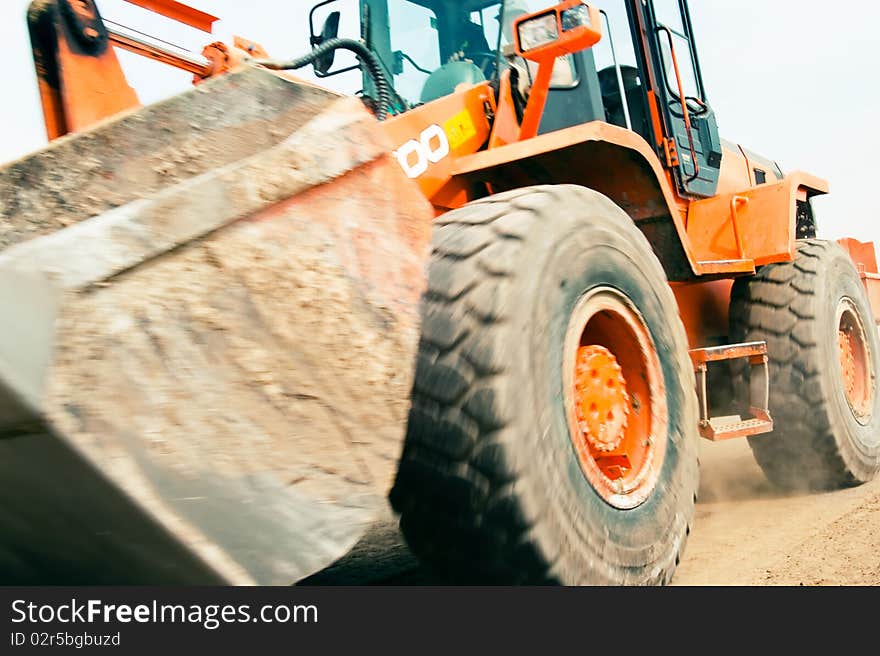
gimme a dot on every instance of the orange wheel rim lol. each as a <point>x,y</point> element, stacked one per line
<point>615,398</point>
<point>856,364</point>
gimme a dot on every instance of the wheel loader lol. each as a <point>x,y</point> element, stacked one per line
<point>508,285</point>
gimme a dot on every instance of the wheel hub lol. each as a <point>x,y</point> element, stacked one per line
<point>615,398</point>
<point>857,372</point>
<point>847,362</point>
<point>601,400</point>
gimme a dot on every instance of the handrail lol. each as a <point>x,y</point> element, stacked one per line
<point>683,99</point>
<point>623,99</point>
<point>735,204</point>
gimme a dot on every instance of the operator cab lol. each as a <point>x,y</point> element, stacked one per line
<point>430,47</point>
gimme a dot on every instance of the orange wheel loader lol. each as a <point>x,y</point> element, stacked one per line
<point>508,285</point>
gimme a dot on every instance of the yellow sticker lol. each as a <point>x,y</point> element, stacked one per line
<point>460,128</point>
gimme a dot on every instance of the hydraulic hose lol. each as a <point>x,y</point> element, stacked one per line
<point>364,54</point>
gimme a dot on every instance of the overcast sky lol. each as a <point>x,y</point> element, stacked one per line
<point>791,79</point>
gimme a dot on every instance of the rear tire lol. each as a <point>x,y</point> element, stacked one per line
<point>827,431</point>
<point>491,486</point>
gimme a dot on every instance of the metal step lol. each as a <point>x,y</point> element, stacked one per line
<point>719,430</point>
<point>726,428</point>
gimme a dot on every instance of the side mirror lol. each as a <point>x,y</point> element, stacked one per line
<point>330,31</point>
<point>569,27</point>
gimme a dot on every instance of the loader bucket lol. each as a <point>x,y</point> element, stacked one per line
<point>208,325</point>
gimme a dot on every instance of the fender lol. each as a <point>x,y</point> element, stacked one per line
<point>759,224</point>
<point>609,159</point>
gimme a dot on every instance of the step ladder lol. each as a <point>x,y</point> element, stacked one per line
<point>717,429</point>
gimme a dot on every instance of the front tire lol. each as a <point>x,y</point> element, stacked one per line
<point>530,293</point>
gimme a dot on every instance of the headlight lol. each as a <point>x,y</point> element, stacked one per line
<point>576,17</point>
<point>538,32</point>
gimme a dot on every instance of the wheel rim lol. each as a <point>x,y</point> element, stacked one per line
<point>615,398</point>
<point>856,363</point>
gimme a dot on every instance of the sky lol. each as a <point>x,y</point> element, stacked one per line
<point>790,79</point>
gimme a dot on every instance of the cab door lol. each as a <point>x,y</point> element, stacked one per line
<point>692,143</point>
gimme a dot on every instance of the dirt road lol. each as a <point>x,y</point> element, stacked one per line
<point>746,533</point>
